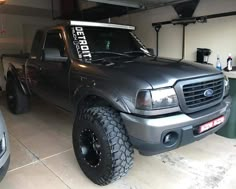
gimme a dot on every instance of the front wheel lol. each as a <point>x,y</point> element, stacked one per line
<point>101,145</point>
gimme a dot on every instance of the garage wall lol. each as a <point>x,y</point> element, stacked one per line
<point>218,34</point>
<point>19,34</point>
<point>43,4</point>
<point>18,29</point>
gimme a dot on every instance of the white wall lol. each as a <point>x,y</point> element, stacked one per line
<point>19,34</point>
<point>20,29</point>
<point>218,34</point>
<point>43,4</point>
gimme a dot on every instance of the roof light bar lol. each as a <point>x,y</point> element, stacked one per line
<point>102,25</point>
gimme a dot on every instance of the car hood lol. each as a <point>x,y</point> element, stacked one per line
<point>160,72</point>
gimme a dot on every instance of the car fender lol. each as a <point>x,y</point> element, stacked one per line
<point>12,72</point>
<point>111,96</point>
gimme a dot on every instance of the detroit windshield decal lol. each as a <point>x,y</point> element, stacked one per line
<point>81,44</point>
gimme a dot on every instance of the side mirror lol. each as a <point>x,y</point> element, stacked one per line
<point>151,51</point>
<point>53,55</point>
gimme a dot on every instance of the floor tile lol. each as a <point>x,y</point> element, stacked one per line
<point>25,129</point>
<point>211,147</point>
<point>35,176</point>
<point>67,168</point>
<point>47,142</point>
<point>20,156</point>
<point>152,172</point>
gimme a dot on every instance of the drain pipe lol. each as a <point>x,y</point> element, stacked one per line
<point>184,39</point>
<point>157,29</point>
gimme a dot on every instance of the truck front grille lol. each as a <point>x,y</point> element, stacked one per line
<point>194,93</point>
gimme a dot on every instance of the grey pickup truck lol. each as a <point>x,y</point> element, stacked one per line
<point>121,95</point>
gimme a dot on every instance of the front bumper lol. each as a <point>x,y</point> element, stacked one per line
<point>146,134</point>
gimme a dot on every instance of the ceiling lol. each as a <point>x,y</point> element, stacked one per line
<point>25,11</point>
<point>94,10</point>
<point>82,9</point>
<point>145,4</point>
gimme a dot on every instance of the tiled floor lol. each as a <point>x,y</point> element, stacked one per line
<point>42,158</point>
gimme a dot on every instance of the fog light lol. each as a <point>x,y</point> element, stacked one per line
<point>170,139</point>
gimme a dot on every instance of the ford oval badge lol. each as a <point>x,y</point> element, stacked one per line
<point>208,93</point>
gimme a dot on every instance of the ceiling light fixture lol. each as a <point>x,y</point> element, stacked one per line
<point>2,2</point>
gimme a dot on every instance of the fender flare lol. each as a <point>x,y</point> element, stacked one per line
<point>12,72</point>
<point>110,96</point>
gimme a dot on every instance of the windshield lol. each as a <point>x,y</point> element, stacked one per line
<point>93,43</point>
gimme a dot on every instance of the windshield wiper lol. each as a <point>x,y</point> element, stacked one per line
<point>110,52</point>
<point>135,52</point>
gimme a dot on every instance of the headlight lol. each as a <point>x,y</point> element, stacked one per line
<point>157,99</point>
<point>226,84</point>
<point>3,145</point>
<point>144,100</point>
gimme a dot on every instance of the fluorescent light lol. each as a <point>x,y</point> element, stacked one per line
<point>2,2</point>
<point>119,3</point>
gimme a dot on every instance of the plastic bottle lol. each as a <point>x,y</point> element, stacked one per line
<point>229,62</point>
<point>218,63</point>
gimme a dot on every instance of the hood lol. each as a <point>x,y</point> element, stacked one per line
<point>160,72</point>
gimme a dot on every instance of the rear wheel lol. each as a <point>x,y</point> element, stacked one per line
<point>101,145</point>
<point>17,101</point>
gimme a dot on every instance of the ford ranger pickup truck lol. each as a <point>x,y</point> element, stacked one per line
<point>122,96</point>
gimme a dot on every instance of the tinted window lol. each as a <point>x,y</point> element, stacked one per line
<point>37,43</point>
<point>93,40</point>
<point>54,40</point>
<point>110,40</point>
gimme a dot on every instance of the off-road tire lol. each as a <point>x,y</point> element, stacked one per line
<point>116,150</point>
<point>17,101</point>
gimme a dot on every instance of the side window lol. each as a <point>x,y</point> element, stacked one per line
<point>54,40</point>
<point>37,43</point>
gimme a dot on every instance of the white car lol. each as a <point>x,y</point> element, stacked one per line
<point>4,148</point>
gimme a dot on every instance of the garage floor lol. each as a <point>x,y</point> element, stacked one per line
<point>42,158</point>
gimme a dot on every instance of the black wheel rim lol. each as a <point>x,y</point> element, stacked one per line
<point>90,148</point>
